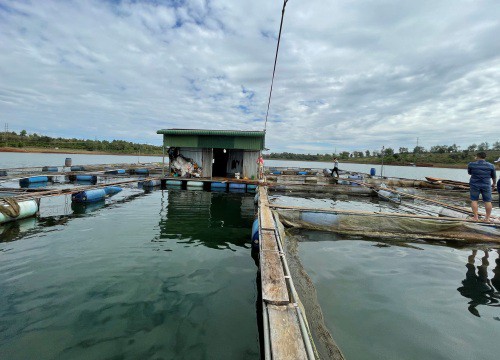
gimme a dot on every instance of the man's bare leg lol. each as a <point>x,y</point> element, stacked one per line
<point>473,205</point>
<point>488,206</point>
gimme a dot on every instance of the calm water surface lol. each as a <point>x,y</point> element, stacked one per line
<point>167,275</point>
<point>396,302</point>
<point>10,160</point>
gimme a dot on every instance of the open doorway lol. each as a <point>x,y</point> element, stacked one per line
<point>219,166</point>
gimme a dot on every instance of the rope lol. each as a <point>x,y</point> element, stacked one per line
<point>12,209</point>
<point>275,61</point>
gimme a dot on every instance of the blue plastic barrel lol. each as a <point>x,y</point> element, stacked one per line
<point>255,234</point>
<point>174,182</point>
<point>151,183</point>
<point>67,162</point>
<point>111,190</point>
<point>90,178</point>
<point>237,186</point>
<point>218,185</point>
<point>251,187</point>
<point>3,172</point>
<point>89,196</point>
<point>373,171</point>
<point>142,171</point>
<point>33,179</point>
<point>50,168</point>
<point>77,168</point>
<point>302,173</point>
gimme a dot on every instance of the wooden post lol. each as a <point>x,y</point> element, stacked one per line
<point>163,162</point>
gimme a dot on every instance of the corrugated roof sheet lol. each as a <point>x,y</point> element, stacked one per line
<point>199,132</point>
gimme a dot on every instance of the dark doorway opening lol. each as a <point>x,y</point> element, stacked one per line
<point>219,167</point>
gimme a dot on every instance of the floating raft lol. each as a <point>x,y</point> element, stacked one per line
<point>389,225</point>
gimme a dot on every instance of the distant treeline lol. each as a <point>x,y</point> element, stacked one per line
<point>23,139</point>
<point>438,154</point>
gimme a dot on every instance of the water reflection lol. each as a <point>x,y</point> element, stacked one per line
<point>477,286</point>
<point>84,208</point>
<point>16,229</point>
<point>208,217</point>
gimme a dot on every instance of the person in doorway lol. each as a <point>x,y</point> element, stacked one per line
<point>260,162</point>
<point>497,161</point>
<point>481,174</point>
<point>335,167</point>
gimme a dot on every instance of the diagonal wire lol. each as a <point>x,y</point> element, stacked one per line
<point>275,61</point>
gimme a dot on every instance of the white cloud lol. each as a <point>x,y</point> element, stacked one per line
<point>351,75</point>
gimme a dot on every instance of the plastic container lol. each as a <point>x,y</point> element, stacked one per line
<point>88,196</point>
<point>50,168</point>
<point>218,185</point>
<point>255,234</point>
<point>111,190</point>
<point>142,171</point>
<point>33,179</point>
<point>373,171</point>
<point>77,168</point>
<point>67,162</point>
<point>174,182</point>
<point>233,186</point>
<point>27,208</point>
<point>151,183</point>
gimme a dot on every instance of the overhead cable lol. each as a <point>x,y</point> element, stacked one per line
<point>275,61</point>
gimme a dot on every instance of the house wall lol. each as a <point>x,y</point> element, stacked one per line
<point>250,166</point>
<point>245,161</point>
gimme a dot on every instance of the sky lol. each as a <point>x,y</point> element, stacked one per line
<point>351,74</point>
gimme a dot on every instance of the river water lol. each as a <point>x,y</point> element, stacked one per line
<point>168,275</point>
<point>9,160</point>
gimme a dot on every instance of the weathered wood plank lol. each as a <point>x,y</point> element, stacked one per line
<point>268,241</point>
<point>286,338</point>
<point>274,290</point>
<point>266,218</point>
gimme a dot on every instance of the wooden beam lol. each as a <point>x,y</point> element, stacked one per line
<point>274,290</point>
<point>268,242</point>
<point>285,334</point>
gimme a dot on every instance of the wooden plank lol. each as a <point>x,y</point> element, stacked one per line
<point>274,290</point>
<point>268,241</point>
<point>266,218</point>
<point>286,338</point>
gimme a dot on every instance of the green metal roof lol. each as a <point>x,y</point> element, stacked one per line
<point>223,139</point>
<point>196,132</point>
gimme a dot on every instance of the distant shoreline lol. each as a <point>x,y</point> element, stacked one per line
<point>87,152</point>
<point>67,151</point>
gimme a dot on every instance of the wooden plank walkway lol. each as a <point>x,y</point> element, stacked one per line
<point>286,340</point>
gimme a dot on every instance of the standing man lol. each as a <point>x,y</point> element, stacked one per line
<point>497,161</point>
<point>260,162</point>
<point>481,174</point>
<point>335,167</point>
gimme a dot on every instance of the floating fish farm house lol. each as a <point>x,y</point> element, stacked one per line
<point>213,153</point>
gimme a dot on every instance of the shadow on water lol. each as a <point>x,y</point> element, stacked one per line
<point>478,287</point>
<point>200,217</point>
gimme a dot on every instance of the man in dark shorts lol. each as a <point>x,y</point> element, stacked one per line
<point>497,161</point>
<point>335,167</point>
<point>481,174</point>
